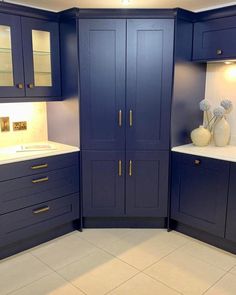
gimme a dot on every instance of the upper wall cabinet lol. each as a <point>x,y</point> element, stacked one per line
<point>11,60</point>
<point>215,39</point>
<point>29,58</point>
<point>41,57</point>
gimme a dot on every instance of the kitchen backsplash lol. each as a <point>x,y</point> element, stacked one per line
<point>221,84</point>
<point>36,116</point>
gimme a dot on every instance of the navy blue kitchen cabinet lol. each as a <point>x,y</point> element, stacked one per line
<point>41,58</point>
<point>231,212</point>
<point>215,39</point>
<point>149,83</point>
<point>102,46</point>
<point>11,59</point>
<point>29,58</point>
<point>103,183</point>
<point>39,200</point>
<point>199,192</point>
<point>147,183</point>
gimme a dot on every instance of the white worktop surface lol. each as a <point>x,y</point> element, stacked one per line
<point>227,153</point>
<point>34,150</point>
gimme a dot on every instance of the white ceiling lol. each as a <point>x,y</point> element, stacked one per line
<point>58,5</point>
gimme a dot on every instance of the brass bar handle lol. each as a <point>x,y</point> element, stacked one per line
<point>41,210</point>
<point>120,118</point>
<point>39,166</point>
<point>130,168</point>
<point>120,168</point>
<point>130,118</point>
<point>40,180</point>
<point>20,85</point>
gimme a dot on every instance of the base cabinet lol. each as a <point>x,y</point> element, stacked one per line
<point>132,184</point>
<point>231,212</point>
<point>103,183</point>
<point>147,183</point>
<point>200,192</point>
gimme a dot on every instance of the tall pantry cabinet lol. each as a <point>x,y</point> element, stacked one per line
<point>126,68</point>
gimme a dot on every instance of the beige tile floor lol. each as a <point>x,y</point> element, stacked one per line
<point>120,262</point>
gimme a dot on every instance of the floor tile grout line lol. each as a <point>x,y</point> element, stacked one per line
<point>122,283</point>
<point>17,289</point>
<point>59,274</point>
<point>225,274</point>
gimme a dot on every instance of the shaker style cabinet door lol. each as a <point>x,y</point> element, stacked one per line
<point>41,58</point>
<point>147,183</point>
<point>231,211</point>
<point>11,59</point>
<point>103,183</point>
<point>102,83</point>
<point>149,83</point>
<point>200,192</point>
<point>215,39</point>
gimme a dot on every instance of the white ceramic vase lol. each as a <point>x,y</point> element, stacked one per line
<point>201,136</point>
<point>221,132</point>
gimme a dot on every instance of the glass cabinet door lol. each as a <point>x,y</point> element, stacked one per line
<point>41,57</point>
<point>11,60</point>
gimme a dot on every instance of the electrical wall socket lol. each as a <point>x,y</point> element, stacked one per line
<point>18,126</point>
<point>5,124</point>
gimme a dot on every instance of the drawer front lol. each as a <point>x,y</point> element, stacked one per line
<point>215,39</point>
<point>36,166</point>
<point>26,191</point>
<point>199,161</point>
<point>21,224</point>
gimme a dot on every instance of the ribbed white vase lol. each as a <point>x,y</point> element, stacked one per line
<point>221,133</point>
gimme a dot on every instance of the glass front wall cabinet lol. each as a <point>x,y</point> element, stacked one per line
<point>11,59</point>
<point>41,58</point>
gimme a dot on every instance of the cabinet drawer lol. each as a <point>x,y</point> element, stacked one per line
<point>41,165</point>
<point>30,221</point>
<point>26,191</point>
<point>199,161</point>
<point>215,39</point>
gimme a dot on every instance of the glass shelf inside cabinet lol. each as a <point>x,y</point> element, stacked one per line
<point>42,58</point>
<point>6,64</point>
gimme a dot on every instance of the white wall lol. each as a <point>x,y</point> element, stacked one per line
<point>36,116</point>
<point>221,84</point>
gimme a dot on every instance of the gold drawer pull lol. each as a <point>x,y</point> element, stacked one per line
<point>130,118</point>
<point>120,118</point>
<point>40,180</point>
<point>120,168</point>
<point>41,210</point>
<point>130,168</point>
<point>39,166</point>
<point>219,52</point>
<point>197,162</point>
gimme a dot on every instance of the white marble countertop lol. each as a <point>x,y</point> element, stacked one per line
<point>227,153</point>
<point>34,150</point>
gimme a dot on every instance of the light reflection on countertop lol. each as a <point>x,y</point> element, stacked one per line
<point>227,153</point>
<point>34,150</point>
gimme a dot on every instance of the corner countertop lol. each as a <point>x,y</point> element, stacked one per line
<point>227,153</point>
<point>34,150</point>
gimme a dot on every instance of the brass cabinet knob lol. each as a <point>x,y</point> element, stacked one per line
<point>31,86</point>
<point>20,85</point>
<point>219,52</point>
